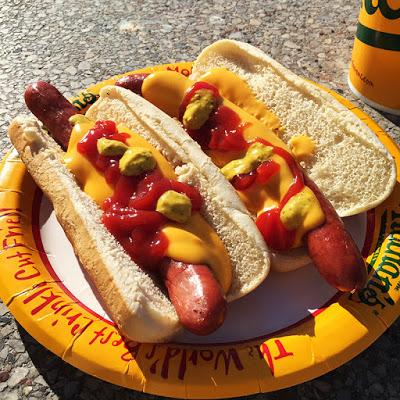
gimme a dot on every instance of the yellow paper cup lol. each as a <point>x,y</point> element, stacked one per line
<point>374,74</point>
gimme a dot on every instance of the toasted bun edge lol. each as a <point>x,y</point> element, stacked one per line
<point>140,309</point>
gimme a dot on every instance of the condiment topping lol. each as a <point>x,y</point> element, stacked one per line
<point>256,154</point>
<point>175,206</point>
<point>296,209</point>
<point>265,180</point>
<point>223,132</point>
<point>269,222</point>
<point>234,89</point>
<point>107,147</point>
<point>199,109</point>
<point>135,161</point>
<point>78,119</point>
<point>130,213</point>
<point>302,146</point>
<point>130,203</point>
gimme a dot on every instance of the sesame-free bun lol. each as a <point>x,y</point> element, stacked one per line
<point>222,207</point>
<point>136,304</point>
<point>350,166</point>
<point>132,298</point>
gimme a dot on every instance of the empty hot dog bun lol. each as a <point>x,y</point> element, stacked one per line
<point>139,307</point>
<point>349,164</point>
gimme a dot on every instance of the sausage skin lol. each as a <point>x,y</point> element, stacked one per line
<point>52,108</point>
<point>333,250</point>
<point>193,289</point>
<point>196,295</point>
<point>132,82</point>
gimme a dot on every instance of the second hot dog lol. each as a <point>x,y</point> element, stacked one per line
<point>288,207</point>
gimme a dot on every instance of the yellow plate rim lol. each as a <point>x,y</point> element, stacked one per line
<point>304,351</point>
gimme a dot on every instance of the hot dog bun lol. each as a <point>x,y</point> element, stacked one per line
<point>137,305</point>
<point>350,166</point>
<point>133,300</point>
<point>222,207</point>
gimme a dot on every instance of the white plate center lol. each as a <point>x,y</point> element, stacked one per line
<point>282,300</point>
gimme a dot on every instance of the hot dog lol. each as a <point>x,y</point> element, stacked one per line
<point>52,109</point>
<point>132,82</point>
<point>196,294</point>
<point>348,164</point>
<point>199,316</point>
<point>220,128</point>
<point>333,250</point>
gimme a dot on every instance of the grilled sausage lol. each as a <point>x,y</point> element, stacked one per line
<point>132,82</point>
<point>52,108</point>
<point>333,250</point>
<point>196,296</point>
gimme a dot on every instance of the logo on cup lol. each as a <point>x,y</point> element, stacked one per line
<point>384,7</point>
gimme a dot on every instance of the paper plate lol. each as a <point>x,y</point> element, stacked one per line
<point>293,328</point>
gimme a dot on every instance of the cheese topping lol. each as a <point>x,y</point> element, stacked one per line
<point>302,146</point>
<point>167,91</point>
<point>187,244</point>
<point>91,181</point>
<point>193,241</point>
<point>238,92</point>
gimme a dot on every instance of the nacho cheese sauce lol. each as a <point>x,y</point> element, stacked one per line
<point>129,203</point>
<point>302,146</point>
<point>274,190</point>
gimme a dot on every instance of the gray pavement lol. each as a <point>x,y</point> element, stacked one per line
<point>76,43</point>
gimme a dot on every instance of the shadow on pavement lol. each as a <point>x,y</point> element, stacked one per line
<point>69,383</point>
<point>375,370</point>
<point>395,119</point>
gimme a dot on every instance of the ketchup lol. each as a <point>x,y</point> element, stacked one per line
<point>224,131</point>
<point>129,214</point>
<point>244,181</point>
<point>266,171</point>
<point>274,232</point>
<point>261,175</point>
